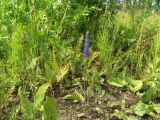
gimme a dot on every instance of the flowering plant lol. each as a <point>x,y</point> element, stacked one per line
<point>86,51</point>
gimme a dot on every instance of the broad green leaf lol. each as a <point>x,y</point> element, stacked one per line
<point>140,109</point>
<point>118,82</point>
<point>75,96</point>
<point>120,114</point>
<point>135,85</point>
<point>26,106</point>
<point>40,95</point>
<point>50,111</point>
<point>151,111</point>
<point>132,118</point>
<point>157,108</point>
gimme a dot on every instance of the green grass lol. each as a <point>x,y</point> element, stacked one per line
<point>41,46</point>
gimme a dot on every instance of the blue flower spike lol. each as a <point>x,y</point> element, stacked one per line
<point>86,51</point>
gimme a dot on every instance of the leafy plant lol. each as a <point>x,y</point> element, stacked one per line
<point>30,109</point>
<point>118,82</point>
<point>50,110</point>
<point>142,109</point>
<point>39,96</point>
<point>26,106</point>
<point>104,45</point>
<point>77,97</point>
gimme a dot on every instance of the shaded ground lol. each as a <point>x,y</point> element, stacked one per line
<point>96,106</point>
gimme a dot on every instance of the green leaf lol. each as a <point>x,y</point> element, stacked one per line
<point>149,95</point>
<point>40,95</point>
<point>107,116</point>
<point>135,85</point>
<point>118,82</point>
<point>122,116</point>
<point>75,96</point>
<point>50,111</point>
<point>48,71</point>
<point>111,104</point>
<point>99,110</point>
<point>119,114</point>
<point>26,106</point>
<point>32,64</point>
<point>123,104</point>
<point>132,118</point>
<point>140,109</point>
<point>62,72</point>
<point>156,107</point>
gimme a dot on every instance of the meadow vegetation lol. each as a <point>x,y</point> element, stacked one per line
<point>42,61</point>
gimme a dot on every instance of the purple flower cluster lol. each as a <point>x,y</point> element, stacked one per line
<point>86,51</point>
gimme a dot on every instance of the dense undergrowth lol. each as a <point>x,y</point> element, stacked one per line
<point>41,48</point>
